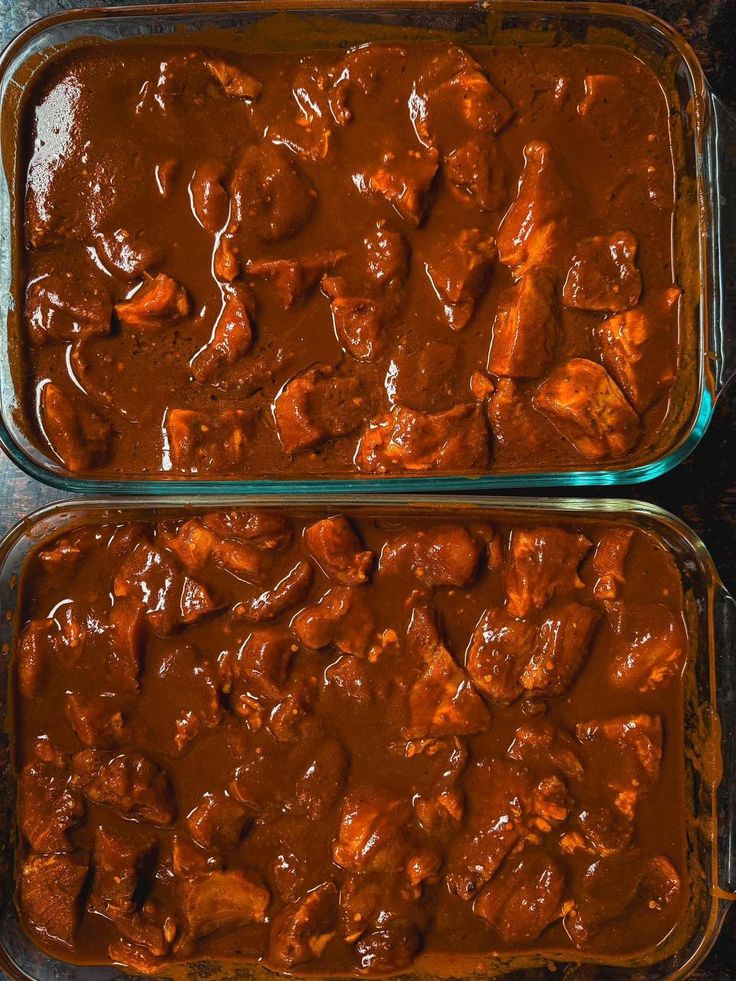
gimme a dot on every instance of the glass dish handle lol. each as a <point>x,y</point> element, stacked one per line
<point>723,210</point>
<point>725,639</point>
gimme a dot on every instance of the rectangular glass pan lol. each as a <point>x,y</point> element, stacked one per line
<point>702,128</point>
<point>710,714</point>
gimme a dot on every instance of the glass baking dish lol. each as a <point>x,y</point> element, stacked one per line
<point>710,716</point>
<point>704,138</point>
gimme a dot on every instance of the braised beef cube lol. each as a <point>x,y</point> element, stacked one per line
<point>352,678</point>
<point>404,182</point>
<point>291,874</point>
<point>121,866</point>
<point>637,352</point>
<point>135,957</point>
<point>235,82</point>
<point>499,651</point>
<point>262,662</point>
<point>474,172</point>
<point>648,646</point>
<point>335,545</point>
<point>195,545</point>
<point>195,601</point>
<point>219,902</point>
<point>177,721</point>
<point>526,326</point>
<point>232,336</point>
<point>561,650</point>
<point>302,930</point>
<point>343,617</point>
<point>151,929</point>
<point>294,279</point>
<point>271,198</point>
<point>316,406</point>
<point>605,831</point>
<point>425,373</point>
<point>50,890</point>
<point>446,555</point>
<point>529,232</point>
<point>209,198</point>
<point>454,440</point>
<point>127,636</point>
<point>371,822</point>
<point>542,563</point>
<point>540,744</point>
<point>442,701</point>
<point>218,821</point>
<point>460,274</point>
<point>512,417</point>
<point>130,784</point>
<point>374,899</point>
<point>96,720</point>
<point>306,125</point>
<point>628,750</point>
<point>362,71</point>
<point>124,253</point>
<point>263,529</point>
<point>49,806</point>
<point>65,553</point>
<point>284,594</point>
<point>604,275</point>
<point>584,404</point>
<point>387,254</point>
<point>226,258</point>
<point>607,105</point>
<point>609,560</point>
<point>360,325</point>
<point>76,433</point>
<point>524,898</point>
<point>441,811</point>
<point>63,307</point>
<point>391,949</point>
<point>147,577</point>
<point>207,441</point>
<point>159,302</point>
<point>322,780</point>
<point>35,652</point>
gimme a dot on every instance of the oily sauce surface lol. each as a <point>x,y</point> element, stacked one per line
<point>340,745</point>
<point>399,258</point>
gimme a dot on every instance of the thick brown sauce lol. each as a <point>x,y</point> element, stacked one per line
<point>400,780</point>
<point>145,162</point>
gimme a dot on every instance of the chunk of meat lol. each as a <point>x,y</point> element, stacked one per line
<point>403,181</point>
<point>67,308</point>
<point>370,823</point>
<point>512,416</point>
<point>49,805</point>
<point>542,563</point>
<point>609,561</point>
<point>303,929</point>
<point>96,720</point>
<point>386,256</point>
<point>524,898</point>
<point>359,324</point>
<point>603,831</point>
<point>203,441</point>
<point>218,821</point>
<point>604,275</point>
<point>271,199</point>
<point>343,617</point>
<point>158,303</point>
<point>335,545</point>
<point>316,406</point>
<point>440,811</point>
<point>649,645</point>
<point>474,171</point>
<point>309,130</point>
<point>210,201</point>
<point>67,551</point>
<point>294,279</point>
<point>262,662</point>
<point>528,234</point>
<point>636,349</point>
<point>353,679</point>
<point>406,439</point>
<point>37,646</point>
<point>526,327</point>
<point>321,779</point>
<point>50,890</point>
<point>361,73</point>
<point>130,784</point>
<point>120,864</point>
<point>175,722</point>
<point>283,595</point>
<point>459,273</point>
<point>584,404</point>
<point>149,578</point>
<point>222,901</point>
<point>539,744</point>
<point>442,700</point>
<point>235,82</point>
<point>266,530</point>
<point>561,649</point>
<point>125,253</point>
<point>628,750</point>
<point>445,555</point>
<point>499,651</point>
<point>375,898</point>
<point>607,105</point>
<point>226,258</point>
<point>76,433</point>
<point>126,636</point>
<point>232,335</point>
<point>391,949</point>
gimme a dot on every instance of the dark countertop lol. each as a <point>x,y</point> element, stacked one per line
<point>702,490</point>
